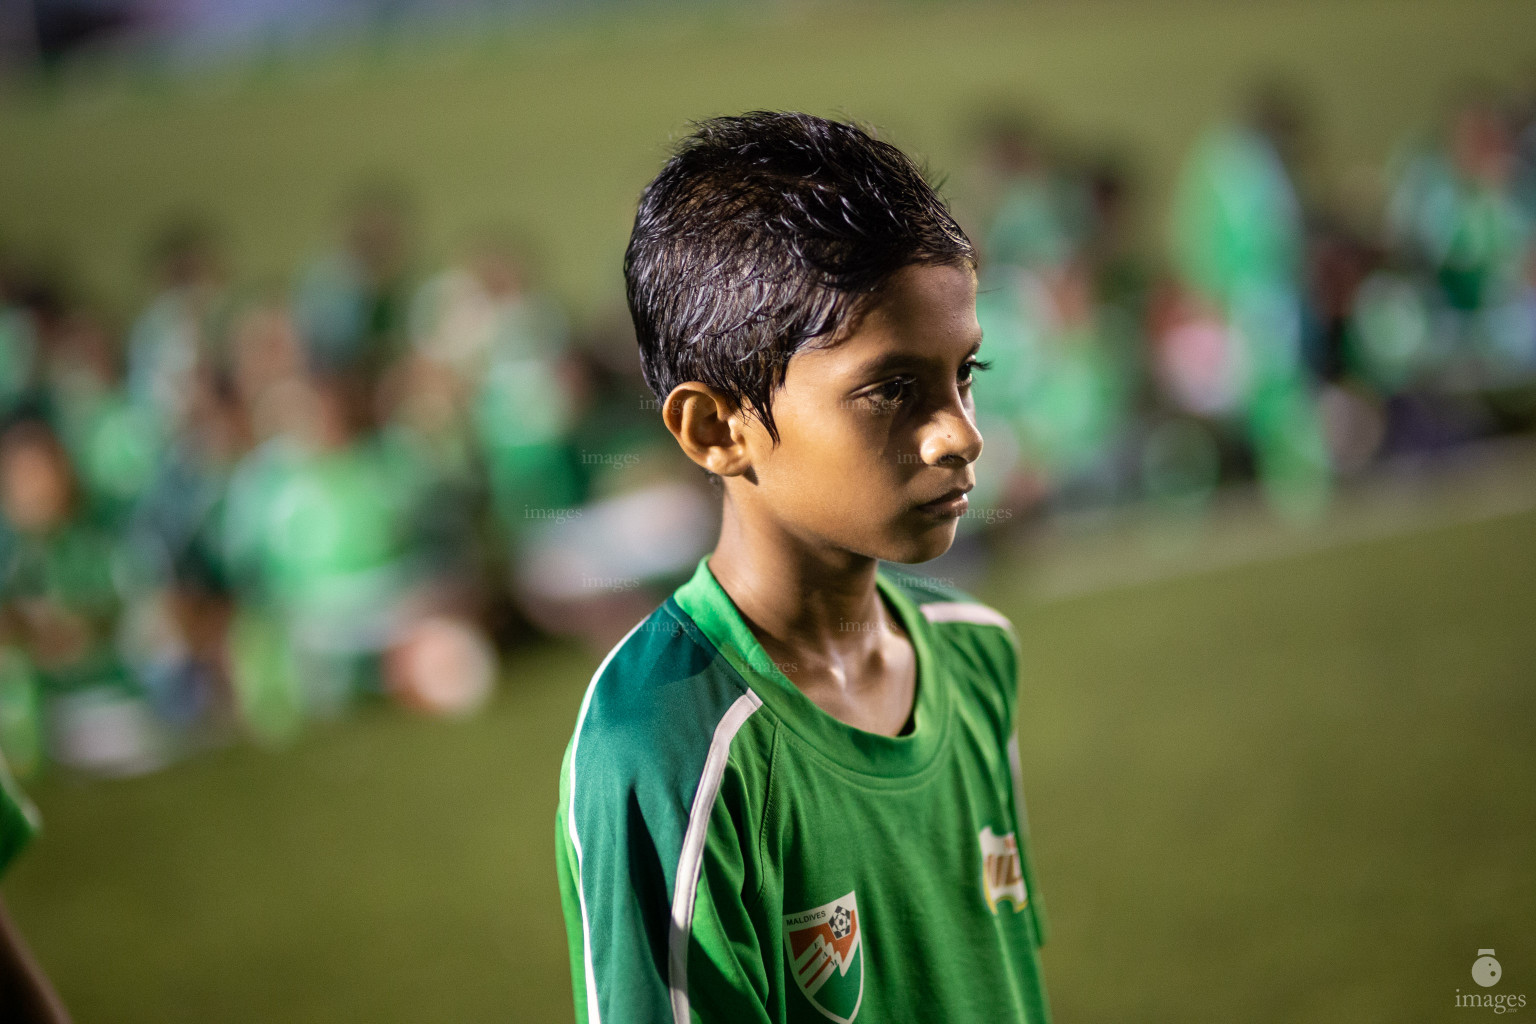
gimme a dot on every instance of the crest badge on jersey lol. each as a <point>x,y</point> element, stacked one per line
<point>1002,876</point>
<point>826,957</point>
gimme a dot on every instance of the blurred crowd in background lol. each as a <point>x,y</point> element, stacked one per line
<point>1290,336</point>
<point>249,508</point>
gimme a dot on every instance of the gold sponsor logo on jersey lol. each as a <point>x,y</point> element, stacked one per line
<point>1002,874</point>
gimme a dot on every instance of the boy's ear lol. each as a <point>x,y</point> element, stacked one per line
<point>708,427</point>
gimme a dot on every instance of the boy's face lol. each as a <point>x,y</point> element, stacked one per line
<point>875,427</point>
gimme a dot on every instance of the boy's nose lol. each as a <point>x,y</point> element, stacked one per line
<point>951,437</point>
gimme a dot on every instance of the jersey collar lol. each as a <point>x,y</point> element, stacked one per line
<point>705,601</point>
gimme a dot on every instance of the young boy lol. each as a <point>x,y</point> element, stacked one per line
<point>791,792</point>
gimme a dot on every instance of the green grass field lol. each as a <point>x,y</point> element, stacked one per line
<point>554,128</point>
<point>1294,790</point>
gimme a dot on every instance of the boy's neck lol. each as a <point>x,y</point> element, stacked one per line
<point>798,596</point>
<point>819,616</point>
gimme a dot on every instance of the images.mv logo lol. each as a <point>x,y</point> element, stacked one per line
<point>1486,971</point>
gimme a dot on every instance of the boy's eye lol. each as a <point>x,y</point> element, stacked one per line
<point>896,392</point>
<point>890,394</point>
<point>970,367</point>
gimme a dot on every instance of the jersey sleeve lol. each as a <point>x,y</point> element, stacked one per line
<point>1010,681</point>
<point>656,883</point>
<point>1015,766</point>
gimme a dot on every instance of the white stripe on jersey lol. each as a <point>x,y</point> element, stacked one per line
<point>1017,771</point>
<point>685,885</point>
<point>593,1014</point>
<point>964,611</point>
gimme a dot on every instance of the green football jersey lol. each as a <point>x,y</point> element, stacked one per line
<point>729,852</point>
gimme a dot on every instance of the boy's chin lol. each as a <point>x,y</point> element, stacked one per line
<point>924,546</point>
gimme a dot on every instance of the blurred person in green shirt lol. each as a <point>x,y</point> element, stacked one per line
<point>1055,280</point>
<point>114,440</point>
<point>184,328</point>
<point>26,995</point>
<point>1455,211</point>
<point>351,302</point>
<point>1238,246</point>
<point>61,578</point>
<point>504,348</point>
<point>18,339</point>
<point>321,533</point>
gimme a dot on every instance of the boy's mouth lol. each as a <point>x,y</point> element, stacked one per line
<point>951,504</point>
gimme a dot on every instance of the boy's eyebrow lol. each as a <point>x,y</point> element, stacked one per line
<point>888,361</point>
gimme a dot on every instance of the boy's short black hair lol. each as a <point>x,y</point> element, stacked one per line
<point>765,231</point>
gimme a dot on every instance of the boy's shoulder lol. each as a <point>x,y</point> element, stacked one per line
<point>659,695</point>
<point>941,601</point>
<point>975,641</point>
